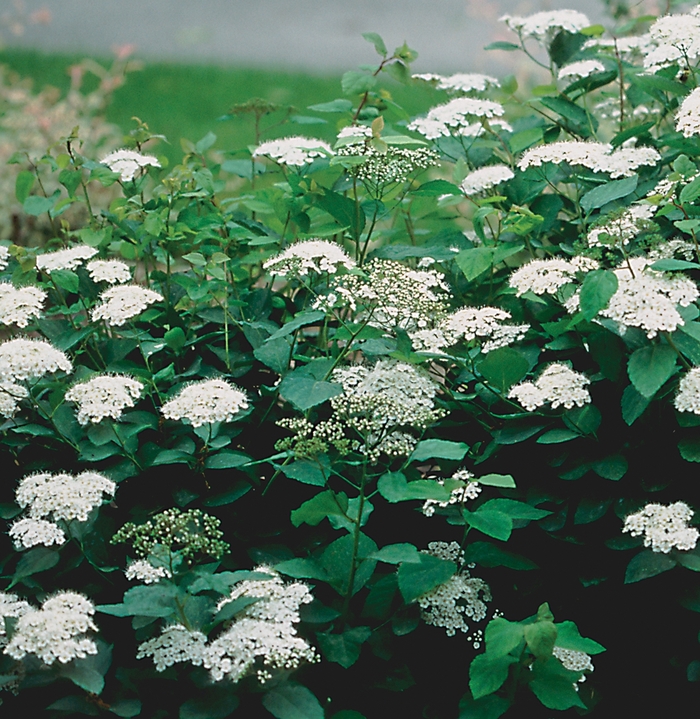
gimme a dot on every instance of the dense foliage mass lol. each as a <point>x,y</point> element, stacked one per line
<point>393,423</point>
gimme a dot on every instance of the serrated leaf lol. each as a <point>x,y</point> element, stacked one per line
<point>355,82</point>
<point>502,637</point>
<point>343,649</point>
<point>598,288</point>
<point>305,392</point>
<point>649,367</point>
<point>487,675</point>
<point>317,508</point>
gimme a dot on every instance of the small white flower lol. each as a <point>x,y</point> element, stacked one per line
<point>688,396</point>
<point>29,532</point>
<point>544,26</point>
<point>664,527</point>
<point>104,396</point>
<point>123,302</point>
<point>574,660</point>
<point>19,304</point>
<point>558,385</point>
<point>64,259</point>
<point>307,256</point>
<point>688,117</point>
<point>455,115</point>
<point>462,82</point>
<point>548,276</point>
<point>485,178</point>
<point>22,359</point>
<point>4,257</point>
<point>57,631</point>
<point>213,400</point>
<point>296,151</point>
<point>10,396</point>
<point>128,162</point>
<point>581,69</point>
<point>175,644</point>
<point>111,271</point>
<point>144,571</point>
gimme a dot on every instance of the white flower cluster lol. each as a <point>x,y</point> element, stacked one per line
<point>451,117</point>
<point>688,117</point>
<point>262,631</point>
<point>211,400</point>
<point>22,359</point>
<point>13,607</point>
<point>391,295</point>
<point>622,229</point>
<point>122,302</point>
<point>461,82</point>
<point>57,631</point>
<point>110,271</point>
<point>574,660</point>
<point>394,164</point>
<point>303,258</point>
<point>484,324</point>
<point>460,596</point>
<point>143,571</point>
<point>30,532</point>
<point>64,259</point>
<point>670,249</point>
<point>673,39</point>
<point>466,490</point>
<point>104,396</point>
<point>354,134</point>
<point>63,496</point>
<point>558,384</point>
<point>4,257</point>
<point>545,26</point>
<point>19,304</point>
<point>296,151</point>
<point>646,298</point>
<point>128,162</point>
<point>485,178</point>
<point>688,395</point>
<point>377,401</point>
<point>548,276</point>
<point>596,156</point>
<point>664,527</point>
<point>579,70</point>
<point>10,396</point>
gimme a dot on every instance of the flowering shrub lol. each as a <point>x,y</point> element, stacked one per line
<point>338,428</point>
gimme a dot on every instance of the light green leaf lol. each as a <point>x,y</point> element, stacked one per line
<point>554,686</point>
<point>394,487</point>
<point>649,367</point>
<point>502,637</point>
<point>601,195</point>
<point>597,289</point>
<point>304,391</point>
<point>397,553</point>
<point>490,522</point>
<point>439,448</point>
<point>317,508</point>
<point>487,675</point>
<point>497,480</point>
<point>570,638</point>
<point>23,185</point>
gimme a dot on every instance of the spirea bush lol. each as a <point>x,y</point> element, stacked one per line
<point>400,423</point>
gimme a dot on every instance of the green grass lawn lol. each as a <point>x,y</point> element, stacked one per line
<point>187,100</point>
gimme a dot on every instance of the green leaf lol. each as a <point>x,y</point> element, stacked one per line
<point>377,41</point>
<point>301,319</point>
<point>435,188</point>
<point>501,45</point>
<point>274,353</point>
<point>671,265</point>
<point>691,191</point>
<point>633,404</point>
<point>307,472</point>
<point>649,367</point>
<point>34,561</point>
<point>557,436</point>
<point>578,119</point>
<point>487,675</point>
<point>515,509</point>
<point>502,637</point>
<point>647,564</point>
<point>317,508</point>
<point>490,707</point>
<point>497,480</point>
<point>525,138</point>
<point>597,289</point>
<point>690,449</point>
<point>126,707</point>
<point>438,448</point>
<point>175,338</point>
<point>36,205</point>
<point>205,143</point>
<point>541,638</point>
<point>339,105</point>
<point>348,213</point>
<point>343,649</point>
<point>305,392</point>
<point>397,553</point>
<point>419,578</point>
<point>503,368</point>
<point>655,84</point>
<point>226,460</point>
<point>568,637</point>
<point>66,280</point>
<point>356,82</point>
<point>601,195</point>
<point>474,262</point>
<point>394,487</point>
<point>554,686</point>
<point>84,676</point>
<point>490,522</point>
<point>292,701</point>
<point>614,467</point>
<point>23,185</point>
<point>337,561</point>
<point>486,554</point>
<point>157,600</point>
<point>302,569</point>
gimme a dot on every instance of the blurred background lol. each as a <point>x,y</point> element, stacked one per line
<point>181,66</point>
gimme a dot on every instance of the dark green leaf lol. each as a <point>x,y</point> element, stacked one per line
<point>419,578</point>
<point>307,472</point>
<point>690,449</point>
<point>579,120</point>
<point>305,392</point>
<point>515,509</point>
<point>541,638</point>
<point>647,564</point>
<point>275,353</point>
<point>216,703</point>
<point>633,404</point>
<point>394,487</point>
<point>66,280</point>
<point>126,707</point>
<point>292,701</point>
<point>490,522</point>
<point>601,195</point>
<point>347,212</point>
<point>554,686</point>
<point>301,319</point>
<point>302,569</point>
<point>486,554</point>
<point>557,436</point>
<point>434,188</point>
<point>34,561</point>
<point>649,367</point>
<point>501,45</point>
<point>343,649</point>
<point>597,289</point>
<point>397,553</point>
<point>487,675</point>
<point>226,460</point>
<point>671,265</point>
<point>490,707</point>
<point>503,368</point>
<point>438,448</point>
<point>317,508</point>
<point>614,467</point>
